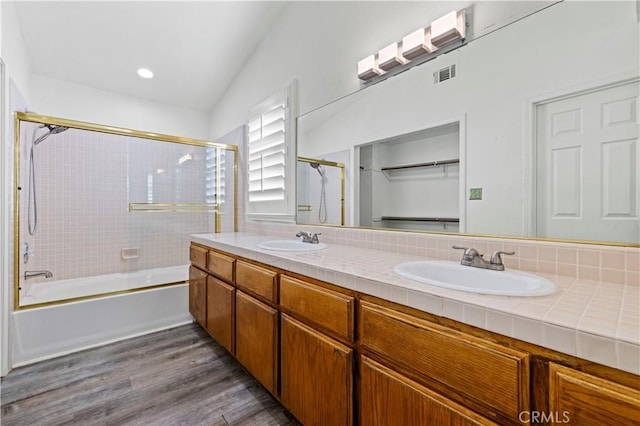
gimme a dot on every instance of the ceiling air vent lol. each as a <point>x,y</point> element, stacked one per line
<point>444,74</point>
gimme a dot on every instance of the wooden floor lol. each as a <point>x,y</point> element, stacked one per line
<point>174,377</point>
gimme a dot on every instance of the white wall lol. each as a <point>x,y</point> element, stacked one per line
<point>13,49</point>
<point>320,43</point>
<point>16,74</point>
<point>77,102</point>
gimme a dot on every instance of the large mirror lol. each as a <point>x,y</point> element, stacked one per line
<point>536,135</point>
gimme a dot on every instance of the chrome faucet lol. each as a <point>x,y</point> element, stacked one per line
<point>471,257</point>
<point>308,237</point>
<point>33,274</point>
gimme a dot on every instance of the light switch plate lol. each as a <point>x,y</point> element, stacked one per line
<point>475,193</point>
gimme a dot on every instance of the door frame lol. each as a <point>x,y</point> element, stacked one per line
<point>5,227</point>
<point>531,138</point>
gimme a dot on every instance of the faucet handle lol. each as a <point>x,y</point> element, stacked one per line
<point>469,253</point>
<point>496,258</point>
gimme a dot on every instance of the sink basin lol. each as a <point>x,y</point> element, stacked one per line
<point>476,280</point>
<point>290,245</point>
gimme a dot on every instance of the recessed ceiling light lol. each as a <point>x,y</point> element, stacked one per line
<point>145,73</point>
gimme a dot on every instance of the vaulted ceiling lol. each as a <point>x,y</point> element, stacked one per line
<point>194,48</point>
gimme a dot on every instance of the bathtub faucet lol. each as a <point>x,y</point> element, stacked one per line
<point>32,274</point>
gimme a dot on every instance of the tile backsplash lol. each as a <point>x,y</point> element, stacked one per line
<point>614,264</point>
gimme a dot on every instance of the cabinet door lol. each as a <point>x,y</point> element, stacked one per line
<point>388,398</point>
<point>198,295</point>
<point>256,339</point>
<point>316,376</point>
<point>583,399</point>
<point>451,362</point>
<point>220,311</point>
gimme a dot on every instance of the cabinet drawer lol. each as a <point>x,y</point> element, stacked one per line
<point>454,362</point>
<point>198,256</point>
<point>583,399</point>
<point>221,265</point>
<point>328,309</point>
<point>389,398</point>
<point>257,280</point>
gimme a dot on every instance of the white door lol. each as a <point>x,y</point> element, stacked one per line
<point>588,182</point>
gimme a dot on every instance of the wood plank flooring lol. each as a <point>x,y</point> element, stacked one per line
<point>174,377</point>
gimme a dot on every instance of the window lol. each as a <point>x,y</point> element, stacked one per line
<point>271,159</point>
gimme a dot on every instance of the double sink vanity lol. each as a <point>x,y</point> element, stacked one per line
<point>337,335</point>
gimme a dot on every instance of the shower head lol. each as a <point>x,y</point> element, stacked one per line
<point>318,167</point>
<point>51,130</point>
<point>56,129</point>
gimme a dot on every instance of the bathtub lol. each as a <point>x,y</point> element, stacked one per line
<point>43,332</point>
<point>51,291</point>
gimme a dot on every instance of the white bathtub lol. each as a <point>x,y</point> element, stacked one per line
<point>51,291</point>
<point>45,332</point>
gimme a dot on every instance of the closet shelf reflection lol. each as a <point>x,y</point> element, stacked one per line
<point>422,219</point>
<point>421,165</point>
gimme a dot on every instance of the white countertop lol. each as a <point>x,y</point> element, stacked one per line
<point>596,321</point>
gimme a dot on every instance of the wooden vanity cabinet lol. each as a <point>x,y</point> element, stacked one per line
<point>580,398</point>
<point>316,375</point>
<point>302,339</point>
<point>388,398</point>
<point>198,295</point>
<point>316,370</point>
<point>256,342</point>
<point>221,312</point>
<point>257,339</point>
<point>221,265</point>
<point>479,374</point>
<point>257,281</point>
<point>198,256</point>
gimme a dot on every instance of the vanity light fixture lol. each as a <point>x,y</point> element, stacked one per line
<point>145,73</point>
<point>450,27</point>
<point>417,43</point>
<point>419,46</point>
<point>390,57</point>
<point>368,68</point>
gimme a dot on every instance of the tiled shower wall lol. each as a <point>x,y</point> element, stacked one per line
<point>84,184</point>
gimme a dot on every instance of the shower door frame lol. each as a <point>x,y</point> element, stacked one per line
<point>101,128</point>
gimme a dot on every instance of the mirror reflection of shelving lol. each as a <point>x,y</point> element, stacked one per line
<point>412,181</point>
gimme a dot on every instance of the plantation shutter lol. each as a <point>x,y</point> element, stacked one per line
<point>267,155</point>
<point>271,159</point>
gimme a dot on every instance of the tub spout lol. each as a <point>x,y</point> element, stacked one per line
<point>32,274</point>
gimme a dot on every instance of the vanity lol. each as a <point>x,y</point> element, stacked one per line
<point>314,331</point>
